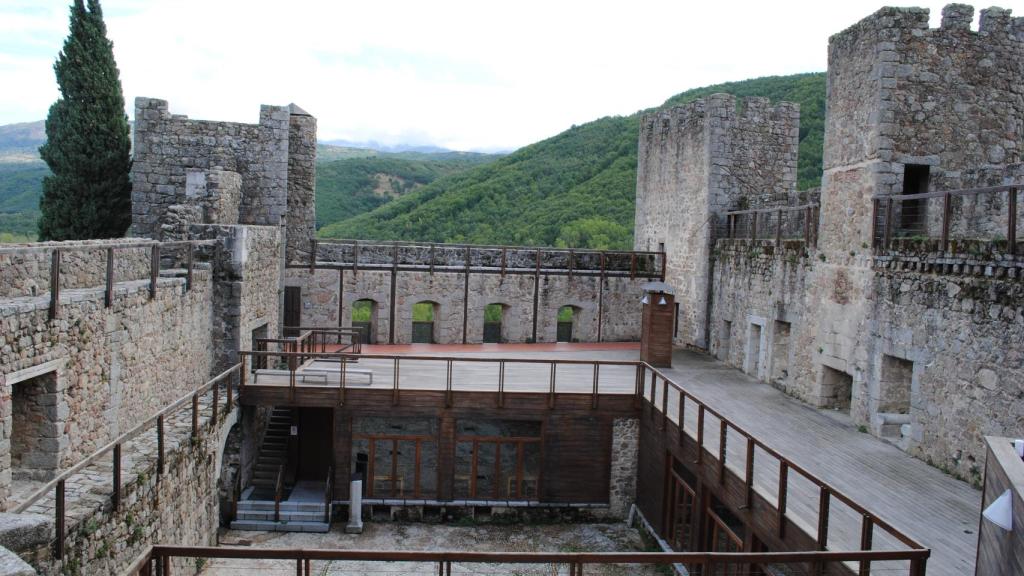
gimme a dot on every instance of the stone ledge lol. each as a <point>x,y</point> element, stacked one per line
<point>24,531</point>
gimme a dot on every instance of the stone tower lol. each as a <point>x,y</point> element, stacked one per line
<point>695,163</point>
<point>203,172</point>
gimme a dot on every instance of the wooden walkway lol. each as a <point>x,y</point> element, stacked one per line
<point>928,505</point>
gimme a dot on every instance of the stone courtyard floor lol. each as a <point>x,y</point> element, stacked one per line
<point>610,537</point>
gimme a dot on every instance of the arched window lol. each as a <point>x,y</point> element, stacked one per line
<point>364,316</point>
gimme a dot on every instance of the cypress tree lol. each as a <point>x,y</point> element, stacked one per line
<point>88,144</point>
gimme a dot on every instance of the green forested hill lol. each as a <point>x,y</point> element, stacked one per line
<point>350,181</point>
<point>352,186</point>
<point>574,189</point>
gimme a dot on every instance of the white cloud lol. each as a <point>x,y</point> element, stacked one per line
<point>458,74</point>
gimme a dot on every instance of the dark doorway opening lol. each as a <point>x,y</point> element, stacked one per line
<point>292,310</point>
<point>494,319</point>
<point>259,334</point>
<point>836,389</point>
<point>567,316</point>
<point>34,429</point>
<point>914,213</point>
<point>316,443</point>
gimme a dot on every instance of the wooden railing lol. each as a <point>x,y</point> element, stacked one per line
<point>413,256</point>
<point>57,485</point>
<point>250,359</point>
<point>917,554</point>
<point>278,492</point>
<point>884,228</point>
<point>157,559</point>
<point>657,395</point>
<point>328,494</point>
<point>308,341</point>
<point>155,248</point>
<point>778,224</point>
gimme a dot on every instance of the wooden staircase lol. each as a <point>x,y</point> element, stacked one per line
<point>273,452</point>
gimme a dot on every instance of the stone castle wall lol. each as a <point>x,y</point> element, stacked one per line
<point>181,507</point>
<point>915,341</point>
<point>28,274</point>
<point>321,291</point>
<point>759,308</point>
<point>104,361</point>
<point>203,172</point>
<point>695,163</point>
<point>247,282</point>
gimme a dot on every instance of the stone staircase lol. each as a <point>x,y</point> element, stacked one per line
<point>295,516</point>
<point>273,452</point>
<point>302,508</point>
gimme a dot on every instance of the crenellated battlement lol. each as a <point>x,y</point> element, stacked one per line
<point>995,24</point>
<point>719,107</point>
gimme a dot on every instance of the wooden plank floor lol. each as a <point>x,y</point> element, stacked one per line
<point>928,505</point>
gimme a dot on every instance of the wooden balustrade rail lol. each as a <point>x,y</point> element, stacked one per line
<point>809,226</point>
<point>57,485</point>
<point>156,560</point>
<point>826,491</point>
<point>883,238</point>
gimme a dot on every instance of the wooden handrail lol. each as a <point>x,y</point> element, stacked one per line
<point>426,245</point>
<point>123,438</point>
<point>48,246</point>
<point>278,492</point>
<point>789,464</point>
<point>884,238</point>
<point>329,494</point>
<point>941,193</point>
<point>772,209</point>
<point>916,558</point>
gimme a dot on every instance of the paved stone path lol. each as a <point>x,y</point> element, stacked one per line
<point>91,489</point>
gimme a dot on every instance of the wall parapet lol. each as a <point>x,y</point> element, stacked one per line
<point>369,255</point>
<point>988,258</point>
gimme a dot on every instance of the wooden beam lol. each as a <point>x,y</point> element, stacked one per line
<point>600,299</point>
<point>465,301</point>
<point>54,284</point>
<point>108,294</point>
<point>154,269</point>
<point>394,288</point>
<point>536,295</point>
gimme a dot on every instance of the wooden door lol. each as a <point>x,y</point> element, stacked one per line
<point>292,309</point>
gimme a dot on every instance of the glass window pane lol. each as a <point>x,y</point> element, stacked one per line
<point>507,480</point>
<point>382,469</point>
<point>428,469</point>
<point>485,461</point>
<point>463,469</point>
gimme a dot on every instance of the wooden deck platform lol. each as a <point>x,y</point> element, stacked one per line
<point>928,505</point>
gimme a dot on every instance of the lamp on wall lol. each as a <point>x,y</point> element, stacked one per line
<point>644,300</point>
<point>661,301</point>
<point>1000,512</point>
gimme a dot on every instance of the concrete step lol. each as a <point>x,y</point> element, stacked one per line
<point>286,507</point>
<point>268,515</point>
<point>271,526</point>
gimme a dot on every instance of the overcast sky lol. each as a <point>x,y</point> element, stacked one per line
<point>462,75</point>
